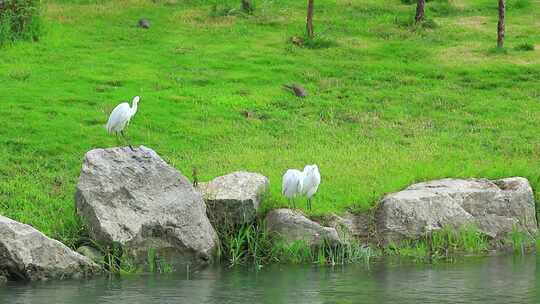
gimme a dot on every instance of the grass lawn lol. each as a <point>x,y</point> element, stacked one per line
<point>389,105</point>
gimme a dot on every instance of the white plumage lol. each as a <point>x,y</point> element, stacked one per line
<point>296,183</point>
<point>311,181</point>
<point>120,117</point>
<point>292,183</point>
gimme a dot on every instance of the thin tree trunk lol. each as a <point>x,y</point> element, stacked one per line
<point>309,21</point>
<point>420,11</point>
<point>501,24</point>
<point>247,6</point>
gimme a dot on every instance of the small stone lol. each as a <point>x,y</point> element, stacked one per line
<point>144,23</point>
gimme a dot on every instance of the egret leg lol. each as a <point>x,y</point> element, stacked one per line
<point>118,142</point>
<point>127,140</point>
<point>309,203</point>
<point>293,203</point>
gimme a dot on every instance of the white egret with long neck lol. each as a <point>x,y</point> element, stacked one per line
<point>120,117</point>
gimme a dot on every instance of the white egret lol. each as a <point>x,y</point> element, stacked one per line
<point>310,182</point>
<point>292,184</point>
<point>120,117</point>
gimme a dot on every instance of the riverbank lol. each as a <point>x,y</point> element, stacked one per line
<point>389,105</point>
<point>143,215</point>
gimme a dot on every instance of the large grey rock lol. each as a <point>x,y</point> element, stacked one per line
<point>135,199</point>
<point>291,226</point>
<point>495,207</point>
<point>352,227</point>
<point>27,254</point>
<point>234,198</point>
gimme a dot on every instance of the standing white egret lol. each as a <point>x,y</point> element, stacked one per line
<point>120,117</point>
<point>292,184</point>
<point>310,182</point>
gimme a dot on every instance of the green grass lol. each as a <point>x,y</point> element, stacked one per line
<point>253,245</point>
<point>525,47</point>
<point>446,243</point>
<point>521,242</point>
<point>19,19</point>
<point>389,105</point>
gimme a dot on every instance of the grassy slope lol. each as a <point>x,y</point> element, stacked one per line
<point>389,105</point>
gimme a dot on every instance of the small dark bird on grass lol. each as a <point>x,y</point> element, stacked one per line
<point>144,23</point>
<point>298,90</point>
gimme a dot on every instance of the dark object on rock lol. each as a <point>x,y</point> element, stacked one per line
<point>28,255</point>
<point>144,23</point>
<point>298,90</point>
<point>138,201</point>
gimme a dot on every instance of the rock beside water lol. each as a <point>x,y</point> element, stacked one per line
<point>495,207</point>
<point>291,226</point>
<point>136,200</point>
<point>91,253</point>
<point>27,254</point>
<point>234,198</point>
<point>356,227</point>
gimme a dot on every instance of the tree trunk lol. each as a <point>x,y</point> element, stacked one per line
<point>247,6</point>
<point>309,21</point>
<point>420,11</point>
<point>501,25</point>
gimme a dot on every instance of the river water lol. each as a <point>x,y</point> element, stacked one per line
<point>508,279</point>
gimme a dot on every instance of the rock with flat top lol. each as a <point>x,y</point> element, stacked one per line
<point>234,198</point>
<point>136,200</point>
<point>495,207</point>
